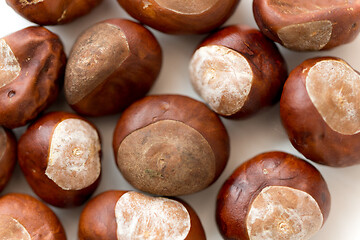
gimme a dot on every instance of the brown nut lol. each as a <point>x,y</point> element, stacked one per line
<point>170,145</point>
<point>238,71</point>
<point>32,63</point>
<point>111,65</point>
<point>273,196</point>
<point>60,155</point>
<point>308,25</point>
<point>181,17</point>
<point>115,215</point>
<point>321,113</point>
<point>26,218</point>
<point>7,156</point>
<point>52,12</point>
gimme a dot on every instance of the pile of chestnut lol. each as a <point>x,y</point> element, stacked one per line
<point>168,146</point>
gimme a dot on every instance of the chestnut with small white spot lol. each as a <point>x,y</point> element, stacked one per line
<point>60,157</point>
<point>320,111</point>
<point>308,25</point>
<point>273,196</point>
<point>238,71</point>
<point>8,146</point>
<point>133,215</point>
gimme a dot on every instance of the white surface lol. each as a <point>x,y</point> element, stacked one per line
<point>250,137</point>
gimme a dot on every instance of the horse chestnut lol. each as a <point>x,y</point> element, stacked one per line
<point>7,156</point>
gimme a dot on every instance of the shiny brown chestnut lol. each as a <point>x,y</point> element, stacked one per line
<point>238,71</point>
<point>114,215</point>
<point>307,25</point>
<point>26,218</point>
<point>59,155</point>
<point>170,145</point>
<point>52,12</point>
<point>112,64</point>
<point>321,113</point>
<point>181,17</point>
<point>32,63</point>
<point>274,195</point>
<point>8,146</point>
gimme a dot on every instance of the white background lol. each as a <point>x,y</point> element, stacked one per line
<point>262,132</point>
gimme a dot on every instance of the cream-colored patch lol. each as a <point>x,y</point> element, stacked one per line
<point>74,159</point>
<point>3,142</point>
<point>283,213</point>
<point>29,2</point>
<point>310,36</point>
<point>222,77</point>
<point>11,229</point>
<point>141,217</point>
<point>334,89</point>
<point>9,65</point>
<point>187,6</point>
<point>167,158</point>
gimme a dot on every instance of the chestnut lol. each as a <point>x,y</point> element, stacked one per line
<point>320,111</point>
<point>114,215</point>
<point>179,17</point>
<point>238,71</point>
<point>52,12</point>
<point>274,195</point>
<point>8,146</point>
<point>170,145</point>
<point>59,155</point>
<point>308,25</point>
<point>26,218</point>
<point>111,64</point>
<point>32,63</point>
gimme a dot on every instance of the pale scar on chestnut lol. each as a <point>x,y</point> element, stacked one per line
<point>9,66</point>
<point>11,229</point>
<point>187,6</point>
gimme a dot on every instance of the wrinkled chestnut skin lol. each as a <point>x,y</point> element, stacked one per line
<point>171,22</point>
<point>345,20</point>
<point>42,60</point>
<point>247,181</point>
<point>33,153</point>
<point>37,218</point>
<point>307,130</point>
<point>266,62</point>
<point>7,158</point>
<point>129,81</point>
<point>52,12</point>
<point>100,209</point>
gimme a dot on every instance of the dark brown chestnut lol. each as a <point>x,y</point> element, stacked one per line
<point>112,64</point>
<point>170,145</point>
<point>238,71</point>
<point>321,113</point>
<point>8,146</point>
<point>274,195</point>
<point>59,155</point>
<point>181,17</point>
<point>114,215</point>
<point>32,63</point>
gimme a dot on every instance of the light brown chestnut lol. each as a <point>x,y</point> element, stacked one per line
<point>115,215</point>
<point>52,12</point>
<point>181,17</point>
<point>321,113</point>
<point>112,64</point>
<point>26,218</point>
<point>238,71</point>
<point>8,146</point>
<point>170,145</point>
<point>32,63</point>
<point>59,155</point>
<point>307,25</point>
<point>274,195</point>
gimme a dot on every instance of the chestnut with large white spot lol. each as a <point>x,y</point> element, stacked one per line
<point>11,229</point>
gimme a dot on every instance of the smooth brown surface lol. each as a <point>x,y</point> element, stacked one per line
<point>52,12</point>
<point>8,146</point>
<point>306,128</point>
<point>116,86</point>
<point>38,219</point>
<point>267,169</point>
<point>42,60</point>
<point>185,17</point>
<point>33,153</point>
